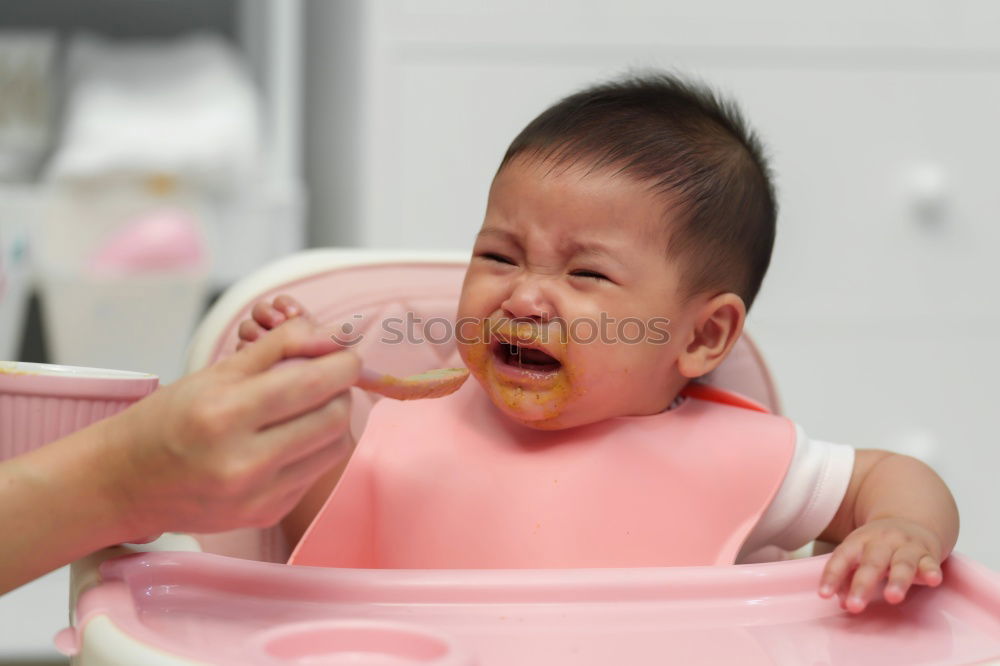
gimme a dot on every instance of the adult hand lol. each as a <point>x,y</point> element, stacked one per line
<point>233,445</point>
<point>237,444</point>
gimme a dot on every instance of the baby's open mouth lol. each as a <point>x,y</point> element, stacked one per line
<point>527,358</point>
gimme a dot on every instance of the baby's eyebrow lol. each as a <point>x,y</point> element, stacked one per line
<point>592,248</point>
<point>571,247</point>
<point>493,231</point>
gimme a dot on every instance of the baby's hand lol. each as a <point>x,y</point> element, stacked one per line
<point>268,315</point>
<point>893,548</point>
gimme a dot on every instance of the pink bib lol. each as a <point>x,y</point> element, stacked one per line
<point>454,484</point>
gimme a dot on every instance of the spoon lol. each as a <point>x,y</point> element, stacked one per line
<point>431,384</point>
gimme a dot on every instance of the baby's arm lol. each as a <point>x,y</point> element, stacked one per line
<point>897,520</point>
<point>295,524</point>
<point>265,316</point>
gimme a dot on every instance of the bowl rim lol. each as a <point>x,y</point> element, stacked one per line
<point>59,370</point>
<point>69,381</point>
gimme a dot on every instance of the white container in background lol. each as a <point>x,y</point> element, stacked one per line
<point>141,323</point>
<point>114,295</point>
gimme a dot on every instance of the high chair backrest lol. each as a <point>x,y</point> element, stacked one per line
<point>399,305</point>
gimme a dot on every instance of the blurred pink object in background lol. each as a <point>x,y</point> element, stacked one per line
<point>163,240</point>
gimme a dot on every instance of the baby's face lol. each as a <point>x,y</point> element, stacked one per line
<point>564,312</point>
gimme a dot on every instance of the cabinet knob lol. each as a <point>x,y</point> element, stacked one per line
<point>927,193</point>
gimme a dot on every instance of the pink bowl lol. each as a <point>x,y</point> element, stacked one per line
<point>40,403</point>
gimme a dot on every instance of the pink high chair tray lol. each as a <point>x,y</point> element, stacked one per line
<point>184,608</point>
<point>218,610</point>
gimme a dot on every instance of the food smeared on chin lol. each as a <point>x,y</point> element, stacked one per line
<point>524,372</point>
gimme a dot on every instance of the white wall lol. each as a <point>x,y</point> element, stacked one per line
<point>880,326</point>
<point>332,86</point>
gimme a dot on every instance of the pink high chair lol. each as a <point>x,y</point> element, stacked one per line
<point>230,599</point>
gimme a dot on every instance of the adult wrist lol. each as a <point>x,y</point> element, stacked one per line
<point>122,485</point>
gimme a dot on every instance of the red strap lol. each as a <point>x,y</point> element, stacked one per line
<point>701,391</point>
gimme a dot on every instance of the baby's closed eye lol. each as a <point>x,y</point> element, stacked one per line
<point>493,256</point>
<point>595,275</point>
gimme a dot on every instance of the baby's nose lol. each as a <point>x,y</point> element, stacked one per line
<point>528,300</point>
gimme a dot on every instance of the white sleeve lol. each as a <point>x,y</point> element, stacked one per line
<point>808,498</point>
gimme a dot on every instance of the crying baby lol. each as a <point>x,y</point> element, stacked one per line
<point>627,232</point>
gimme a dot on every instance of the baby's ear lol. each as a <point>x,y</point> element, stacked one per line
<point>717,326</point>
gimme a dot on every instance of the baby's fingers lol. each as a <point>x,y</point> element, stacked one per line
<point>838,567</point>
<point>929,571</point>
<point>874,563</point>
<point>267,315</point>
<point>288,306</point>
<point>902,572</point>
<point>249,330</point>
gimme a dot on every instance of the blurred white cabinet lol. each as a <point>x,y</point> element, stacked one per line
<point>257,221</point>
<point>879,320</point>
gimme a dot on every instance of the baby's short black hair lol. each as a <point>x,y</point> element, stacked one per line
<point>694,148</point>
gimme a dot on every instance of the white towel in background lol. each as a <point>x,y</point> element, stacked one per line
<point>185,106</point>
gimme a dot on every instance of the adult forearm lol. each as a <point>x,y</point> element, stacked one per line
<point>56,505</point>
